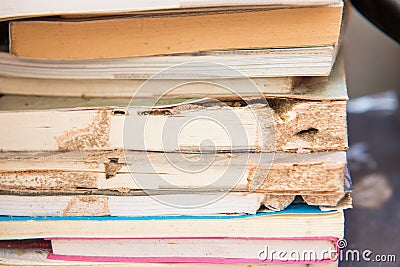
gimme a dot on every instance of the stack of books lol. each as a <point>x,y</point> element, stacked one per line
<point>177,133</point>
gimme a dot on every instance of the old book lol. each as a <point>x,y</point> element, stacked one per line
<point>278,62</point>
<point>190,203</point>
<point>143,35</point>
<point>12,10</point>
<point>58,123</point>
<point>279,177</point>
<point>39,257</point>
<point>145,205</point>
<point>289,87</point>
<point>196,250</point>
<point>129,87</point>
<point>20,83</point>
<point>297,220</point>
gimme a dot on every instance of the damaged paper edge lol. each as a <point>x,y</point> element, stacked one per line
<point>124,108</point>
<point>333,202</point>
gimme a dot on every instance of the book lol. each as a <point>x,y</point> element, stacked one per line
<point>157,34</point>
<point>320,178</point>
<point>66,124</point>
<point>40,257</point>
<point>261,63</point>
<point>128,87</point>
<point>20,83</point>
<point>196,250</point>
<point>298,220</point>
<point>12,10</point>
<point>155,205</point>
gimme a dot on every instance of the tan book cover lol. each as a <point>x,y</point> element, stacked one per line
<point>178,33</point>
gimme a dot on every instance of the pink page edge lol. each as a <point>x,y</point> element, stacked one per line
<point>176,260</point>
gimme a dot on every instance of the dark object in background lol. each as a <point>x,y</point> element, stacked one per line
<point>4,36</point>
<point>25,244</point>
<point>385,14</point>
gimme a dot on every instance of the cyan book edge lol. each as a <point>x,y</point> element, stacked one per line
<point>292,209</point>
